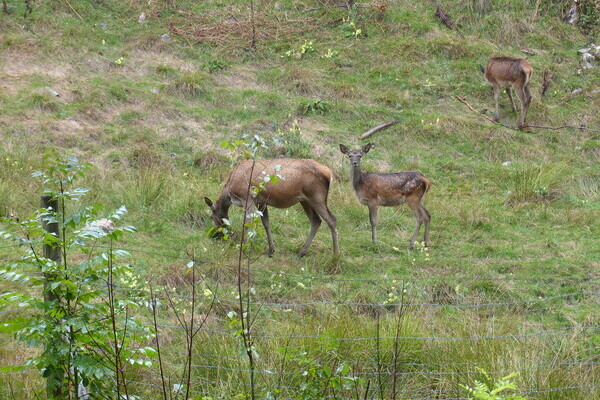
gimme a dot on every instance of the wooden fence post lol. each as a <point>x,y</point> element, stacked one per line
<point>56,378</point>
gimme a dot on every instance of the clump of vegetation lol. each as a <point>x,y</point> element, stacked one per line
<point>290,143</point>
<point>209,160</point>
<point>527,182</point>
<point>314,107</point>
<point>191,84</point>
<point>44,102</point>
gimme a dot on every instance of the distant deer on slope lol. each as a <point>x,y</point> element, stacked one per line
<point>374,190</point>
<point>506,72</point>
<point>303,181</point>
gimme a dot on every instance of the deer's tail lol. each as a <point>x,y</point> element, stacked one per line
<point>427,183</point>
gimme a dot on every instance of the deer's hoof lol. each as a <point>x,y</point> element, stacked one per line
<point>270,253</point>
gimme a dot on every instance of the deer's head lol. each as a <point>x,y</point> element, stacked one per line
<point>217,214</point>
<point>355,155</point>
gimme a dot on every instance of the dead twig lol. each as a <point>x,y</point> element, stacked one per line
<point>552,128</point>
<point>555,128</point>
<point>484,116</point>
<point>378,128</point>
<point>536,12</point>
<point>546,80</point>
<point>445,18</point>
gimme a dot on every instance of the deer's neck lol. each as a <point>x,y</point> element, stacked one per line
<point>356,176</point>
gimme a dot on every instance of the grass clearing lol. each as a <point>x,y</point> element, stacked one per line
<point>513,263</point>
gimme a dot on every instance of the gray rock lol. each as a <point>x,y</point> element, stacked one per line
<point>165,38</point>
<point>577,91</point>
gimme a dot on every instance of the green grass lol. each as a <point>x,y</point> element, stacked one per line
<point>153,122</point>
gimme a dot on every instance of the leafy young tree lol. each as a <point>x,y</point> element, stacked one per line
<point>67,292</point>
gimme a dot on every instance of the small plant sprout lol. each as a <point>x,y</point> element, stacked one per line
<point>330,54</point>
<point>490,389</point>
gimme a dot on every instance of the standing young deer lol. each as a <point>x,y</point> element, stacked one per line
<point>374,190</point>
<point>303,181</point>
<point>506,72</point>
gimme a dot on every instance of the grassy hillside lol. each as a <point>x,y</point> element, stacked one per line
<point>510,280</point>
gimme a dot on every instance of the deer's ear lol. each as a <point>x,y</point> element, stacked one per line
<point>208,202</point>
<point>344,149</point>
<point>366,149</point>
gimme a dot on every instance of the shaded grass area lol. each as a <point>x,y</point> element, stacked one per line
<point>151,115</point>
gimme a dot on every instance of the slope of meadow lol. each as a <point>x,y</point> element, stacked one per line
<point>510,281</point>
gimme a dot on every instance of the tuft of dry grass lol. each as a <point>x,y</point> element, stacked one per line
<point>302,80</point>
<point>191,85</point>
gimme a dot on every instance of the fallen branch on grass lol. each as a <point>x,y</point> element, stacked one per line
<point>553,128</point>
<point>445,18</point>
<point>484,116</point>
<point>378,128</point>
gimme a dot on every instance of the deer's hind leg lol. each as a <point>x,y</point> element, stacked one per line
<point>426,219</point>
<point>512,101</point>
<point>415,205</point>
<point>496,100</point>
<point>320,207</point>
<point>525,98</point>
<point>315,222</point>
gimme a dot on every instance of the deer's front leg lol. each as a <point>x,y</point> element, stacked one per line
<point>265,221</point>
<point>373,218</point>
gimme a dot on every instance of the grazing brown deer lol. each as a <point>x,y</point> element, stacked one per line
<point>374,190</point>
<point>302,181</point>
<point>506,72</point>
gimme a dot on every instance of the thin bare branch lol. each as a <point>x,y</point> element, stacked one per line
<point>484,116</point>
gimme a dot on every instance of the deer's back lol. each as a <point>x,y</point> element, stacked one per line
<point>506,71</point>
<point>300,179</point>
<point>391,189</point>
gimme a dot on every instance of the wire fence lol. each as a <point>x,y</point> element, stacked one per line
<point>214,370</point>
